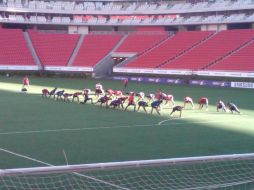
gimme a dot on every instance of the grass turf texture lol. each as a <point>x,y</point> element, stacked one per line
<point>41,128</point>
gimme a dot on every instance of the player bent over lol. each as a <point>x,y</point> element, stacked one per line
<point>103,100</point>
<point>87,96</point>
<point>59,94</point>
<point>66,97</point>
<point>76,96</point>
<point>188,100</point>
<point>118,102</point>
<point>150,97</point>
<point>221,105</point>
<point>131,101</point>
<point>232,107</point>
<point>44,93</point>
<point>177,108</point>
<point>141,96</point>
<point>52,92</point>
<point>168,98</point>
<point>156,105</point>
<point>142,104</point>
<point>203,101</point>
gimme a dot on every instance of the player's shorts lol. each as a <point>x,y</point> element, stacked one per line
<point>155,105</point>
<point>204,101</point>
<point>98,91</point>
<point>131,104</point>
<point>142,103</point>
<point>177,108</point>
<point>233,108</point>
<point>219,106</point>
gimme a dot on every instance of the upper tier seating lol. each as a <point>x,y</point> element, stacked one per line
<point>140,42</point>
<point>94,48</point>
<point>211,50</point>
<point>14,48</point>
<point>242,60</point>
<point>53,49</point>
<point>169,49</point>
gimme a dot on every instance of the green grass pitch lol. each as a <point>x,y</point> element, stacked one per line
<point>35,130</point>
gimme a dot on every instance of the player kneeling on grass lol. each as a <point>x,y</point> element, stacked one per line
<point>232,107</point>
<point>44,93</point>
<point>103,100</point>
<point>188,100</point>
<point>59,94</point>
<point>156,105</point>
<point>203,101</point>
<point>142,104</point>
<point>87,96</point>
<point>177,108</point>
<point>76,96</point>
<point>221,105</point>
<point>131,101</point>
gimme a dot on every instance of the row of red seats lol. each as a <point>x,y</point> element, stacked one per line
<point>169,49</point>
<point>14,48</point>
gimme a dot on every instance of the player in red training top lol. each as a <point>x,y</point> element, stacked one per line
<point>188,100</point>
<point>25,82</point>
<point>203,101</point>
<point>159,95</point>
<point>131,101</point>
<point>125,82</point>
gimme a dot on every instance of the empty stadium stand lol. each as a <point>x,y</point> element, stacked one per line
<point>53,49</point>
<point>242,60</point>
<point>94,48</point>
<point>14,48</point>
<point>138,42</point>
<point>213,49</point>
<point>169,49</point>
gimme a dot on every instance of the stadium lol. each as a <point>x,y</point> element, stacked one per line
<point>126,94</point>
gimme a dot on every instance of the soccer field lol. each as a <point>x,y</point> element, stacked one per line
<point>34,131</point>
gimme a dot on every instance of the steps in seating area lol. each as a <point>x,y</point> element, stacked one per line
<point>169,49</point>
<point>14,48</point>
<point>53,49</point>
<point>213,49</point>
<point>242,60</point>
<point>94,48</point>
<point>140,42</point>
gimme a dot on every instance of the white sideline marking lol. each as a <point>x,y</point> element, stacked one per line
<point>115,127</point>
<point>48,164</point>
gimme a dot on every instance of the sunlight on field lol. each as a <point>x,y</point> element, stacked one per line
<point>243,123</point>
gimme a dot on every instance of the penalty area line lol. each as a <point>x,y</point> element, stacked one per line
<point>48,164</point>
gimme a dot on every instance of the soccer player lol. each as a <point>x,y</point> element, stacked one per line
<point>141,96</point>
<point>168,98</point>
<point>103,100</point>
<point>76,96</point>
<point>59,94</point>
<point>142,104</point>
<point>188,100</point>
<point>203,101</point>
<point>66,97</point>
<point>221,105</point>
<point>87,96</point>
<point>232,107</point>
<point>45,93</point>
<point>110,92</point>
<point>131,101</point>
<point>52,92</point>
<point>118,102</point>
<point>26,82</point>
<point>125,82</point>
<point>99,90</point>
<point>177,108</point>
<point>159,95</point>
<point>156,105</point>
<point>151,97</point>
<point>118,93</point>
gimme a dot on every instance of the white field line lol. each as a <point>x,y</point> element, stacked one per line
<point>116,127</point>
<point>48,164</point>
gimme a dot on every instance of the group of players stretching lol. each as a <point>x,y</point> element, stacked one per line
<point>116,99</point>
